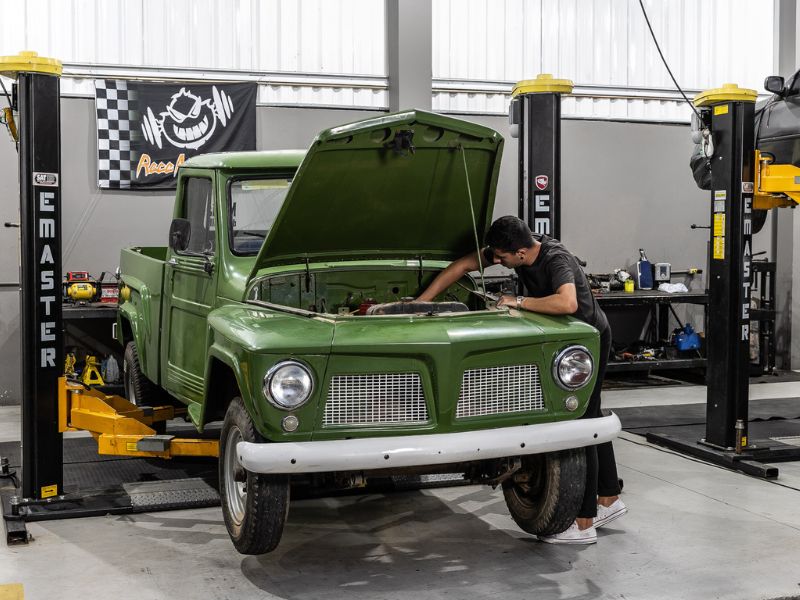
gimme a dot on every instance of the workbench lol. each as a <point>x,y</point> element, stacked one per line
<point>628,313</point>
<point>91,327</point>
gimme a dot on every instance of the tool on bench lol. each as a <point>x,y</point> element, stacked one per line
<point>644,272</point>
<point>79,287</point>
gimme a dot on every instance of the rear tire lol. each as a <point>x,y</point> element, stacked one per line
<point>759,219</point>
<point>139,390</point>
<point>544,497</point>
<point>256,506</point>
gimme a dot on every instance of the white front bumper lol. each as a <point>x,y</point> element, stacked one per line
<point>432,449</point>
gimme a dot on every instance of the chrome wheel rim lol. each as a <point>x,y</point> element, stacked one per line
<point>235,492</point>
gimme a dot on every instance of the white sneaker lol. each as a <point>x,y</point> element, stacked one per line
<point>572,535</point>
<point>606,514</point>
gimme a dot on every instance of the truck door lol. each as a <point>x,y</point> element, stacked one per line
<point>190,288</point>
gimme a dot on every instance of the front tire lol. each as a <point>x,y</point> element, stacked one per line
<point>544,497</point>
<point>254,506</point>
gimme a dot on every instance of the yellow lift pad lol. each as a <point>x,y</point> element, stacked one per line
<point>776,186</point>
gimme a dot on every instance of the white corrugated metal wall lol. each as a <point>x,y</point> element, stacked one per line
<point>481,47</point>
<point>338,45</point>
<point>332,52</point>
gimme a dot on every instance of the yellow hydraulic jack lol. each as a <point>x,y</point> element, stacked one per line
<point>122,428</point>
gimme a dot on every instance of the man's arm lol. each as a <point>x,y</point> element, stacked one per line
<point>454,271</point>
<point>563,302</point>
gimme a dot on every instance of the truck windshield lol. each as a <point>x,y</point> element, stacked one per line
<point>254,204</point>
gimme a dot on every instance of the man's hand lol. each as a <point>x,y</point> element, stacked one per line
<point>508,301</point>
<point>454,271</point>
<point>563,302</point>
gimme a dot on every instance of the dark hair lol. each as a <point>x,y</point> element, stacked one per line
<point>509,234</point>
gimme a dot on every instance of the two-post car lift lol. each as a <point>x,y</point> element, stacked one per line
<point>50,404</point>
<point>743,180</point>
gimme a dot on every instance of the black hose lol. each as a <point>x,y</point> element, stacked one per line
<point>664,60</point>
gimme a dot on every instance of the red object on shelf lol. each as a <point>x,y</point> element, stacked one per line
<point>109,293</point>
<point>77,276</point>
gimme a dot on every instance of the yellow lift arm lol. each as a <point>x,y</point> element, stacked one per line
<point>776,185</point>
<point>122,428</point>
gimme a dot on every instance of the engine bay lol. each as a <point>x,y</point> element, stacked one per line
<point>365,292</point>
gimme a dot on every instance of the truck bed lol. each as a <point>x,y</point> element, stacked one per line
<point>142,269</point>
<point>145,264</point>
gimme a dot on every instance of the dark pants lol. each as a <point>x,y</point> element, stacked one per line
<point>601,468</point>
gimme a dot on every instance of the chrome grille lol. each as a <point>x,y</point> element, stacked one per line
<point>499,390</point>
<point>375,399</point>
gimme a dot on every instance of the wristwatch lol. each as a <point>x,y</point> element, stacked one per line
<point>520,299</point>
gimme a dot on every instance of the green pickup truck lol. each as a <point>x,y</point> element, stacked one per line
<point>283,306</point>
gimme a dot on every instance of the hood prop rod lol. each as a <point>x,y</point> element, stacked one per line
<point>308,275</point>
<point>472,214</point>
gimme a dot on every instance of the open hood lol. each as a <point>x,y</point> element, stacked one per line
<point>389,187</point>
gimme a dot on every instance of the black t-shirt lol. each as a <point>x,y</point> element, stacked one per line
<point>554,267</point>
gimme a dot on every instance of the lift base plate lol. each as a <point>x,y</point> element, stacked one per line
<point>755,460</point>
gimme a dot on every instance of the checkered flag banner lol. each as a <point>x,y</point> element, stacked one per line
<point>117,115</point>
<point>147,130</point>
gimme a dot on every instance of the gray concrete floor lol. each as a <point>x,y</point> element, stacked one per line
<point>693,531</point>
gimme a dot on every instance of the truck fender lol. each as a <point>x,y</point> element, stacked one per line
<point>137,314</point>
<point>127,324</point>
<point>220,387</point>
<point>128,327</point>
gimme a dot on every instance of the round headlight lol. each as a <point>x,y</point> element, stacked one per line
<point>573,367</point>
<point>288,384</point>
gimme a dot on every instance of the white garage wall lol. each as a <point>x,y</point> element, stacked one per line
<point>332,52</point>
<point>340,44</point>
<point>481,47</point>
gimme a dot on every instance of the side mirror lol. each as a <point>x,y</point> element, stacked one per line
<point>774,84</point>
<point>179,233</point>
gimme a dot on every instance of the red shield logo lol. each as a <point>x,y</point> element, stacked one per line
<point>541,182</point>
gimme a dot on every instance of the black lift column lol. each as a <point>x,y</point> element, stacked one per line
<point>729,114</point>
<point>730,278</point>
<point>535,118</point>
<point>38,95</point>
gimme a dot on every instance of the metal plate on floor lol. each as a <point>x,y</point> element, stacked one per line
<point>791,440</point>
<point>181,493</point>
